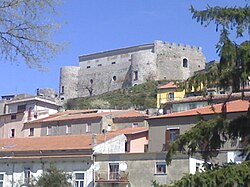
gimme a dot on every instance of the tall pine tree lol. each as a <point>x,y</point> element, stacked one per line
<point>232,71</point>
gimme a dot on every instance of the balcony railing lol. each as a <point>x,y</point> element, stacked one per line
<point>112,177</point>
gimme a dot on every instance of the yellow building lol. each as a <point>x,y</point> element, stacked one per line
<point>169,92</point>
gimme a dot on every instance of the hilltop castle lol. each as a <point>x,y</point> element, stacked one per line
<point>120,68</point>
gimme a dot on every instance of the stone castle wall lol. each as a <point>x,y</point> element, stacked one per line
<point>69,76</point>
<point>106,71</point>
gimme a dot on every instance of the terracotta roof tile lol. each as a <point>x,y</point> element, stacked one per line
<point>234,96</point>
<point>170,85</point>
<point>43,156</point>
<point>51,143</point>
<point>64,116</point>
<point>127,131</point>
<point>129,114</point>
<point>233,106</point>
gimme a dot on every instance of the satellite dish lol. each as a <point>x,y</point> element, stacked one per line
<point>123,166</point>
<point>96,166</point>
<point>160,111</point>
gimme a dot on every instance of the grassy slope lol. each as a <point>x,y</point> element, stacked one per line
<point>140,97</point>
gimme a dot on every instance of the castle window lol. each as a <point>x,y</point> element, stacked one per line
<point>99,65</point>
<point>88,67</point>
<point>114,78</point>
<point>135,75</point>
<point>113,63</point>
<point>185,63</point>
<point>62,91</point>
<point>91,81</point>
<point>12,133</point>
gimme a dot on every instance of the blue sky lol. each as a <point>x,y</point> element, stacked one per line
<point>90,26</point>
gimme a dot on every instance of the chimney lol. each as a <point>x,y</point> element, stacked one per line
<point>93,139</point>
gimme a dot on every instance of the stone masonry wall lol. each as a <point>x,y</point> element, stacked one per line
<point>121,68</point>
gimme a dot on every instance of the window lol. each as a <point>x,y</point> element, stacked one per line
<point>160,168</point>
<point>88,67</point>
<point>88,127</point>
<point>62,90</point>
<point>114,78</point>
<point>174,133</point>
<point>134,125</point>
<point>185,63</point>
<point>12,133</point>
<point>126,147</point>
<point>109,127</point>
<point>91,81</point>
<point>171,135</point>
<point>79,179</point>
<point>49,129</point>
<point>113,63</point>
<point>171,96</point>
<point>1,179</point>
<point>197,167</point>
<point>68,129</point>
<point>113,171</point>
<point>13,116</point>
<point>192,105</point>
<point>27,175</point>
<point>135,75</point>
<point>99,65</point>
<point>21,108</point>
<point>35,115</point>
<point>32,130</point>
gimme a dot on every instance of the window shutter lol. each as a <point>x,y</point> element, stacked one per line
<point>177,133</point>
<point>167,140</point>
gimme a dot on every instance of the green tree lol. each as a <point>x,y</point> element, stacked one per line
<point>233,70</point>
<point>54,178</point>
<point>234,64</point>
<point>25,31</point>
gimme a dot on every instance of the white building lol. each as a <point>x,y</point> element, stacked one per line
<point>22,159</point>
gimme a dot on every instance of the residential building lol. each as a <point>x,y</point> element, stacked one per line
<point>129,118</point>
<point>137,139</point>
<point>84,122</point>
<point>24,159</point>
<point>164,129</point>
<point>18,111</point>
<point>169,92</point>
<point>140,169</point>
<point>189,103</point>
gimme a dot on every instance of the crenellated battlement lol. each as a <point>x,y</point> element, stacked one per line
<point>177,46</point>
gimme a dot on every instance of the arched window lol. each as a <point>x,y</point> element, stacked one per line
<point>114,78</point>
<point>185,63</point>
<point>91,81</point>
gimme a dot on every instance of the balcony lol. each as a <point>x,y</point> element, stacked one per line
<point>111,177</point>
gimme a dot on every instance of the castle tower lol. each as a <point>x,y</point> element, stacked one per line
<point>177,61</point>
<point>69,82</point>
<point>143,67</point>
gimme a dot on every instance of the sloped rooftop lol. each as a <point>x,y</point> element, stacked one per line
<point>232,106</point>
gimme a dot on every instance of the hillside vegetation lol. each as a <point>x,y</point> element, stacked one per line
<point>141,97</point>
